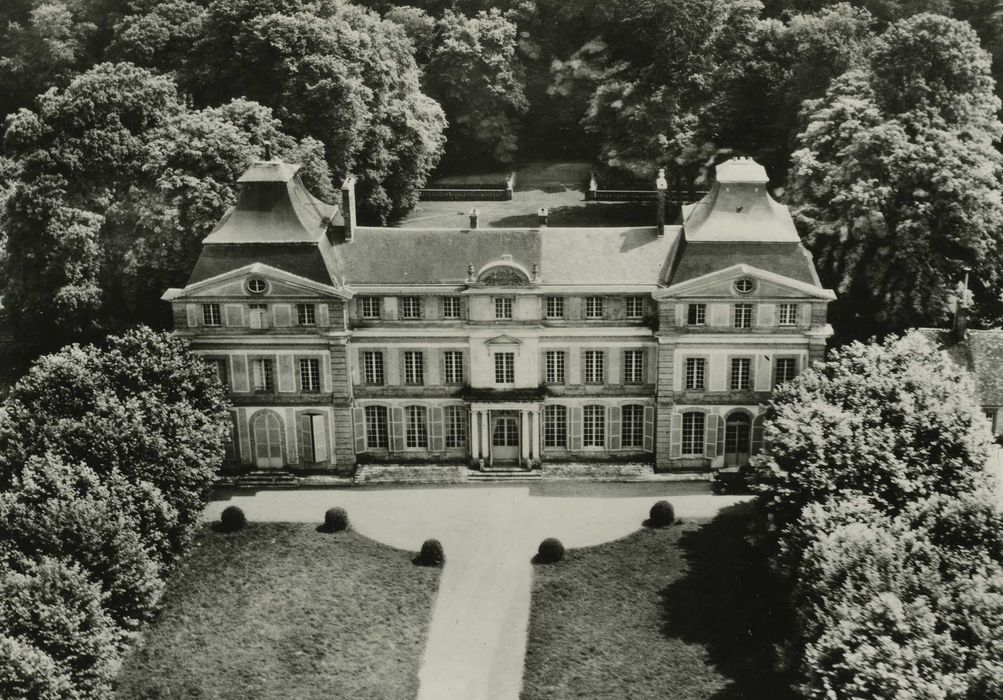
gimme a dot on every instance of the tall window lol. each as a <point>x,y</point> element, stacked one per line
<point>741,373</point>
<point>554,360</point>
<point>633,367</point>
<point>258,315</point>
<point>632,426</point>
<point>372,366</point>
<point>693,434</point>
<point>450,307</point>
<point>211,315</point>
<point>456,426</point>
<point>787,314</point>
<point>312,438</point>
<point>504,368</point>
<point>742,316</point>
<point>503,307</point>
<point>414,367</point>
<point>306,314</point>
<point>452,365</point>
<point>219,367</point>
<point>635,307</point>
<point>416,428</point>
<point>555,426</point>
<point>696,314</point>
<point>786,368</point>
<point>263,375</point>
<point>410,307</point>
<point>309,375</point>
<point>696,370</point>
<point>377,431</point>
<point>369,307</point>
<point>594,426</point>
<point>593,307</point>
<point>595,366</point>
<point>555,307</point>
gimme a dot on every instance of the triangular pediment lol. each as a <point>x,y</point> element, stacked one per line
<point>503,340</point>
<point>277,282</point>
<point>721,283</point>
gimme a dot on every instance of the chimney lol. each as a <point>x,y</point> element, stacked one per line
<point>961,308</point>
<point>268,150</point>
<point>348,206</point>
<point>661,185</point>
<point>473,218</point>
<point>543,214</point>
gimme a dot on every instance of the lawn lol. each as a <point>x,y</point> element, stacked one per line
<point>676,613</point>
<point>283,611</point>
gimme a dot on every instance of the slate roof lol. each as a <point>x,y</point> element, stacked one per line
<point>699,258</point>
<point>981,353</point>
<point>313,261</point>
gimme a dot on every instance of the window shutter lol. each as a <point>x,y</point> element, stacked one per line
<point>576,428</point>
<point>649,429</point>
<point>435,416</point>
<point>711,421</point>
<point>283,315</point>
<point>397,428</point>
<point>766,315</point>
<point>543,367</point>
<point>234,314</point>
<point>359,419</point>
<point>676,436</point>
<point>239,378</point>
<point>305,441</point>
<point>615,437</point>
<point>319,424</point>
<point>757,433</point>
<point>323,315</point>
<point>287,378</point>
<point>194,315</point>
<point>804,316</point>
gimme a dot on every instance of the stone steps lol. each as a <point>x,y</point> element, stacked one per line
<point>265,479</point>
<point>504,475</point>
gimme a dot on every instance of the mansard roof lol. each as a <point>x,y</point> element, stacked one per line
<point>696,259</point>
<point>981,353</point>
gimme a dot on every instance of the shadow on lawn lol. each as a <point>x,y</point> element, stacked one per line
<point>728,603</point>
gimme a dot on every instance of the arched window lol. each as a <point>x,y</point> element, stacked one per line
<point>555,426</point>
<point>693,434</point>
<point>266,428</point>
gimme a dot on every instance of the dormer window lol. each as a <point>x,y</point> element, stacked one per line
<point>256,285</point>
<point>744,285</point>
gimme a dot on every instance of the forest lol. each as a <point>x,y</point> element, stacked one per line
<point>128,121</point>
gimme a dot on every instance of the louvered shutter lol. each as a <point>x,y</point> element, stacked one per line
<point>397,428</point>
<point>435,415</point>
<point>757,434</point>
<point>711,422</point>
<point>305,439</point>
<point>576,428</point>
<point>649,429</point>
<point>283,315</point>
<point>194,315</point>
<point>319,425</point>
<point>676,436</point>
<point>287,378</point>
<point>359,419</point>
<point>615,436</point>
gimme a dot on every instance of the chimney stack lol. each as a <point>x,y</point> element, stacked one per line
<point>661,185</point>
<point>543,214</point>
<point>964,302</point>
<point>268,150</point>
<point>348,206</point>
<point>473,218</point>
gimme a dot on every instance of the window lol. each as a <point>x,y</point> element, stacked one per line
<point>504,368</point>
<point>555,307</point>
<point>256,285</point>
<point>632,426</point>
<point>310,375</point>
<point>372,367</point>
<point>693,434</point>
<point>742,316</point>
<point>554,366</point>
<point>696,371</point>
<point>259,316</point>
<point>593,307</point>
<point>744,285</point>
<point>788,314</point>
<point>377,432</point>
<point>263,375</point>
<point>696,314</point>
<point>594,427</point>
<point>306,314</point>
<point>555,426</point>
<point>633,367</point>
<point>741,373</point>
<point>450,307</point>
<point>595,370</point>
<point>452,365</point>
<point>503,307</point>
<point>410,307</point>
<point>211,315</point>
<point>786,368</point>
<point>456,426</point>
<point>414,367</point>
<point>635,307</point>
<point>218,365</point>
<point>312,438</point>
<point>416,429</point>
<point>369,307</point>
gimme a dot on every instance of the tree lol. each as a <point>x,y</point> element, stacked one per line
<point>897,181</point>
<point>28,672</point>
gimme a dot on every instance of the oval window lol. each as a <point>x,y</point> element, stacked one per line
<point>744,285</point>
<point>256,285</point>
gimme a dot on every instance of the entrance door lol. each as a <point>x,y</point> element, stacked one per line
<point>505,439</point>
<point>267,441</point>
<point>737,440</point>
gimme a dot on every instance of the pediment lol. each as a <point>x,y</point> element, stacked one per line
<point>278,283</point>
<point>503,340</point>
<point>722,284</point>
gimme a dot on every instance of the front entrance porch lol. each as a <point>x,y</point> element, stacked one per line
<point>505,435</point>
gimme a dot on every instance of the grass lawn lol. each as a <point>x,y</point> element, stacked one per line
<point>283,611</point>
<point>673,613</point>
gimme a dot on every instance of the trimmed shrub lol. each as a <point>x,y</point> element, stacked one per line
<point>232,519</point>
<point>662,514</point>
<point>431,554</point>
<point>335,520</point>
<point>550,551</point>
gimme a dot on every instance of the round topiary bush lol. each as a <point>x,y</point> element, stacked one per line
<point>431,554</point>
<point>335,520</point>
<point>551,550</point>
<point>662,514</point>
<point>232,519</point>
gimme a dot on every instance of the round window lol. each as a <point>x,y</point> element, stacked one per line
<point>744,285</point>
<point>256,285</point>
